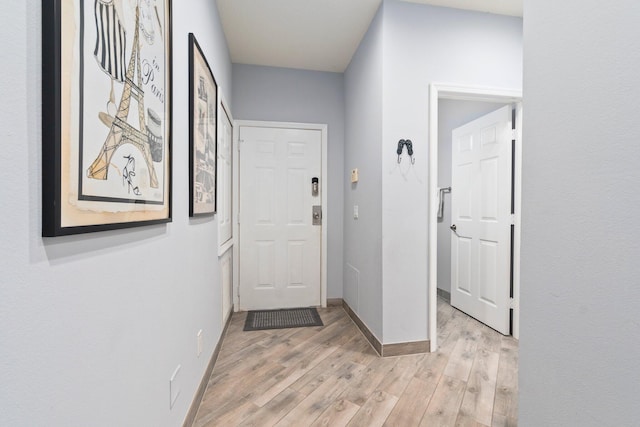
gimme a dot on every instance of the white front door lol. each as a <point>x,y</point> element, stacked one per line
<point>481,219</point>
<point>280,248</point>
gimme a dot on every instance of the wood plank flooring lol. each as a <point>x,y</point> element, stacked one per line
<point>330,376</point>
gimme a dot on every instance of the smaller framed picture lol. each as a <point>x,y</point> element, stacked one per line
<point>203,123</point>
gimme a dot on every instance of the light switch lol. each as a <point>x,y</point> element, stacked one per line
<point>199,342</point>
<point>355,212</point>
<point>354,175</point>
<point>174,388</point>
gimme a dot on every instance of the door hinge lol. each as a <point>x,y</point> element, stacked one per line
<point>240,141</point>
<point>238,219</point>
<point>513,219</point>
<point>514,134</point>
<point>512,304</point>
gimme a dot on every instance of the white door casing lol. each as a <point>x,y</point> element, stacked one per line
<point>224,206</point>
<point>280,248</point>
<point>226,281</point>
<point>224,196</point>
<point>481,216</point>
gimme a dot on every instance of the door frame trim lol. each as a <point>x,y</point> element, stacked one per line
<point>225,109</point>
<point>323,128</point>
<point>439,91</point>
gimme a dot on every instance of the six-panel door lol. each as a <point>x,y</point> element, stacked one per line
<point>279,246</point>
<point>481,212</point>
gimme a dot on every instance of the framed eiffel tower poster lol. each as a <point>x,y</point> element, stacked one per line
<point>107,124</point>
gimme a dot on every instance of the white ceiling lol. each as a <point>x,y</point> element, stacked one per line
<point>314,34</point>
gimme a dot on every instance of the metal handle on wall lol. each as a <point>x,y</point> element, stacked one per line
<point>441,200</point>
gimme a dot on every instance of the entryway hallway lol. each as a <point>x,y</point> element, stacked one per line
<point>330,376</point>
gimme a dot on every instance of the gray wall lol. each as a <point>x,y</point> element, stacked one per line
<point>93,326</point>
<point>363,133</point>
<point>425,44</point>
<point>451,114</point>
<point>287,95</point>
<point>579,350</point>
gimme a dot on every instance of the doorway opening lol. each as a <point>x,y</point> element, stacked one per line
<point>474,100</point>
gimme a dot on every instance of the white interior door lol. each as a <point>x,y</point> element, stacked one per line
<point>481,219</point>
<point>224,203</point>
<point>280,248</point>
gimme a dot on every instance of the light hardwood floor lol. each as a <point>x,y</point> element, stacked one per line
<point>330,376</point>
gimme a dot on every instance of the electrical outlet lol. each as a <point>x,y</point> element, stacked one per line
<point>199,343</point>
<point>356,212</point>
<point>354,175</point>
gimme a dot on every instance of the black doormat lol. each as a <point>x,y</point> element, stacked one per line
<point>280,319</point>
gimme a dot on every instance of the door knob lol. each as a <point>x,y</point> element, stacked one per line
<point>316,215</point>
<point>453,227</point>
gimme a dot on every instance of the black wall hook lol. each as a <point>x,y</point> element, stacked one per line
<point>401,145</point>
<point>399,150</point>
<point>409,145</point>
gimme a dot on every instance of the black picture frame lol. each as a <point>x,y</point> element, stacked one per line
<point>203,133</point>
<point>107,150</point>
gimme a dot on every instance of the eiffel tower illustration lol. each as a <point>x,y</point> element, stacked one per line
<point>121,132</point>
